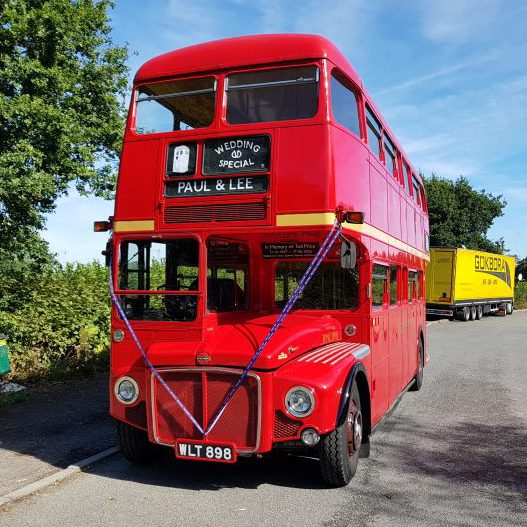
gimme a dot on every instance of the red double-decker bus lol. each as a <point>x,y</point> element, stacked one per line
<point>268,249</point>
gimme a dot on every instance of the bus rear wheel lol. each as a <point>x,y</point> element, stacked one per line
<point>339,450</point>
<point>418,379</point>
<point>134,444</point>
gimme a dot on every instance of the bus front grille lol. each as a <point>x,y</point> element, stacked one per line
<point>219,212</point>
<point>202,392</point>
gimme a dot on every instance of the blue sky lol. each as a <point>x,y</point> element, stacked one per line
<point>449,76</point>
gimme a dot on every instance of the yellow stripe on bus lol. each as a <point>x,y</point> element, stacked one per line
<point>133,225</point>
<point>328,218</point>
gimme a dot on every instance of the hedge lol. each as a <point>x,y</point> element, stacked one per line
<point>61,326</point>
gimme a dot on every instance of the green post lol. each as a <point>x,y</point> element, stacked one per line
<point>5,367</point>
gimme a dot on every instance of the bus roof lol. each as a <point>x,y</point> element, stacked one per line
<point>244,51</point>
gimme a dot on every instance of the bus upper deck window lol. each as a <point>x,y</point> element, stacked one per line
<point>175,105</point>
<point>272,95</point>
<point>374,133</point>
<point>391,156</point>
<point>344,105</point>
<point>416,192</point>
<point>406,177</point>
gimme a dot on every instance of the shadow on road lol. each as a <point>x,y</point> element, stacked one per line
<point>248,473</point>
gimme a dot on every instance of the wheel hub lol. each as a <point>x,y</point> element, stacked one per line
<point>354,429</point>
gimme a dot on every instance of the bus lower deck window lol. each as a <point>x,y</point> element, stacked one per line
<point>152,267</point>
<point>332,287</point>
<point>272,95</point>
<point>227,276</point>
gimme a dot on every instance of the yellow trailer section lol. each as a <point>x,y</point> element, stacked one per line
<point>469,284</point>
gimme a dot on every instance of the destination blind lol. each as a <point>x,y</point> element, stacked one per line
<point>185,188</point>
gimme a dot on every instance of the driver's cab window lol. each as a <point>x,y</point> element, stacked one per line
<point>227,275</point>
<point>160,269</point>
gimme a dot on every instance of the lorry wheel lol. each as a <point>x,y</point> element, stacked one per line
<point>465,314</point>
<point>508,308</point>
<point>479,312</point>
<point>418,379</point>
<point>134,444</point>
<point>473,313</point>
<point>339,450</point>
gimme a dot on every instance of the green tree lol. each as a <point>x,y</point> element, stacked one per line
<point>521,268</point>
<point>62,87</point>
<point>460,215</point>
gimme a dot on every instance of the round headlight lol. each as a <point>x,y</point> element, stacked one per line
<point>126,390</point>
<point>299,401</point>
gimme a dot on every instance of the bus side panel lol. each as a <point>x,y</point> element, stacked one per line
<point>439,276</point>
<point>481,275</point>
<point>138,176</point>
<point>305,170</point>
<point>350,162</point>
<point>378,194</point>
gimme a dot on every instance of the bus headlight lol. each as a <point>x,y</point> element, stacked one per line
<point>300,401</point>
<point>126,390</point>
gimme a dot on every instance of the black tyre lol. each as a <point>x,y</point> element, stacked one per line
<point>134,444</point>
<point>339,450</point>
<point>479,312</point>
<point>418,379</point>
<point>465,314</point>
<point>473,312</point>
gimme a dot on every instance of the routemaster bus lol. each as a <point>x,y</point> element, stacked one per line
<point>267,255</point>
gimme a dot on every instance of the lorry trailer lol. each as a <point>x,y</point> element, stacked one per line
<point>467,284</point>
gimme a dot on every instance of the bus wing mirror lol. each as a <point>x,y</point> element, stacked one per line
<point>107,253</point>
<point>348,255</point>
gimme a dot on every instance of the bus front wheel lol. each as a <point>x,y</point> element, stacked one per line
<point>134,444</point>
<point>339,450</point>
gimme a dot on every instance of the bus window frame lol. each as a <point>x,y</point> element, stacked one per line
<point>341,77</point>
<point>199,293</point>
<point>132,116</point>
<point>389,146</point>
<point>276,307</point>
<point>386,291</point>
<point>397,269</point>
<point>247,268</point>
<point>416,195</point>
<point>321,95</point>
<point>376,121</point>
<point>407,174</point>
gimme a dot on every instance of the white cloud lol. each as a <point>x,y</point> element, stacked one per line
<point>438,74</point>
<point>455,21</point>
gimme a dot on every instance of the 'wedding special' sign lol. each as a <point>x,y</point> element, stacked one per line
<point>236,154</point>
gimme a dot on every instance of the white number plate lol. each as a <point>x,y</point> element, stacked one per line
<point>205,451</point>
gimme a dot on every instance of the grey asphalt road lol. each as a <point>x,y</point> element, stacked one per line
<point>453,454</point>
<point>57,424</point>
